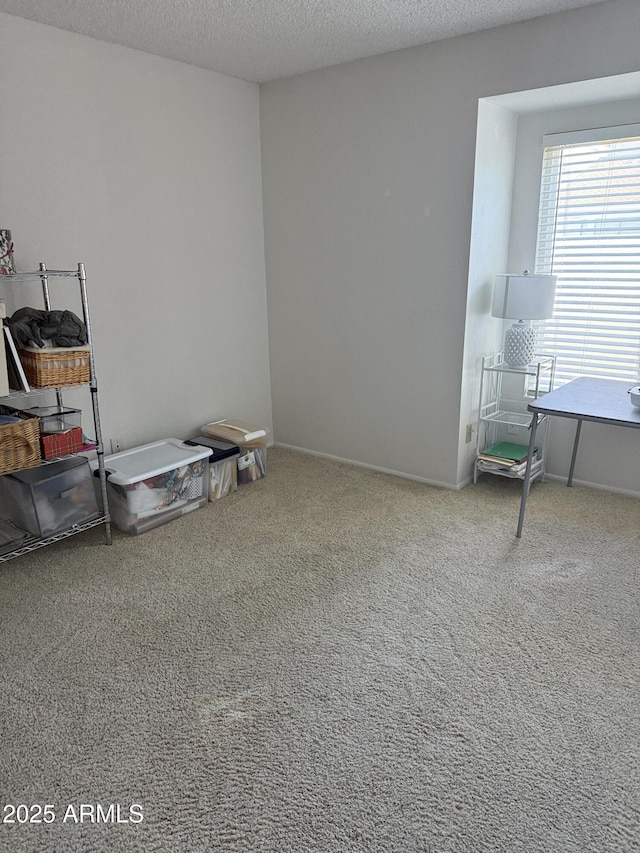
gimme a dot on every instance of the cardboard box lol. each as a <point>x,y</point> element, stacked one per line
<point>58,444</point>
<point>252,442</point>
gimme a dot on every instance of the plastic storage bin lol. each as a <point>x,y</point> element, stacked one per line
<point>155,483</point>
<point>51,498</point>
<point>252,441</point>
<point>56,418</point>
<point>60,430</point>
<point>223,472</point>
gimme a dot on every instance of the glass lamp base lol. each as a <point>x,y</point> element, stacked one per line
<point>519,345</point>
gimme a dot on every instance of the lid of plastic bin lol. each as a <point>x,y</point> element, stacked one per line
<point>149,460</point>
<point>51,411</point>
<point>234,430</point>
<point>219,449</point>
<point>46,472</point>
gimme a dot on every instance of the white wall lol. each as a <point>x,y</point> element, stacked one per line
<point>368,178</point>
<point>149,172</point>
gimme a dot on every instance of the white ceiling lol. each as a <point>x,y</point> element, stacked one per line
<point>261,40</point>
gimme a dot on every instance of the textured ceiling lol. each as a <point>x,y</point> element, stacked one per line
<point>263,40</point>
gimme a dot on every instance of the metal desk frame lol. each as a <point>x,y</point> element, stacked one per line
<point>603,401</point>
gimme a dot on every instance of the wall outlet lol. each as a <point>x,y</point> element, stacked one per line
<point>116,445</point>
<point>512,429</point>
<point>469,434</point>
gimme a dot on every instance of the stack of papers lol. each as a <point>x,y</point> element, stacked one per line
<point>507,456</point>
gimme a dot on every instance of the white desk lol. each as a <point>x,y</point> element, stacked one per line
<point>603,401</point>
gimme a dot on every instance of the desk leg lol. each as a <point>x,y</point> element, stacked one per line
<point>527,475</point>
<point>574,454</point>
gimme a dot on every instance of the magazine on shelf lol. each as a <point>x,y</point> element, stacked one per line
<point>506,453</point>
<point>512,469</point>
<point>17,377</point>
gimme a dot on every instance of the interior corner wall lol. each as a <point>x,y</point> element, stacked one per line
<point>149,172</point>
<point>368,174</point>
<point>489,249</point>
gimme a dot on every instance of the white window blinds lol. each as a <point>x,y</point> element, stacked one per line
<point>589,236</point>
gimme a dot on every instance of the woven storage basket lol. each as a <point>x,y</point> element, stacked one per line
<point>56,367</point>
<point>19,444</point>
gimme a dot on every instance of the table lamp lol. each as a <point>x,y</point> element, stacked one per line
<point>522,297</point>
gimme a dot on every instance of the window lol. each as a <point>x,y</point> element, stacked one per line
<point>589,236</point>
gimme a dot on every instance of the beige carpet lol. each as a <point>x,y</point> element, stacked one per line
<point>332,660</point>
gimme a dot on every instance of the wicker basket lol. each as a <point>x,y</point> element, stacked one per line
<point>19,443</point>
<point>56,367</point>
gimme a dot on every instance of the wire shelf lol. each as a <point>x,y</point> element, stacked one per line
<point>32,543</point>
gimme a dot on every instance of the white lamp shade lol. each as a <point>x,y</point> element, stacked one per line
<point>524,297</point>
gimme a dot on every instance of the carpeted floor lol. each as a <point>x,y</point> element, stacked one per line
<point>331,660</point>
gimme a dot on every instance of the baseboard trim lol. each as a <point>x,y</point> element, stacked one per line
<point>402,474</point>
<point>627,492</point>
<point>617,491</point>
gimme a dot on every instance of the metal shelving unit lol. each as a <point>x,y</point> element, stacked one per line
<point>505,392</point>
<point>32,543</point>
